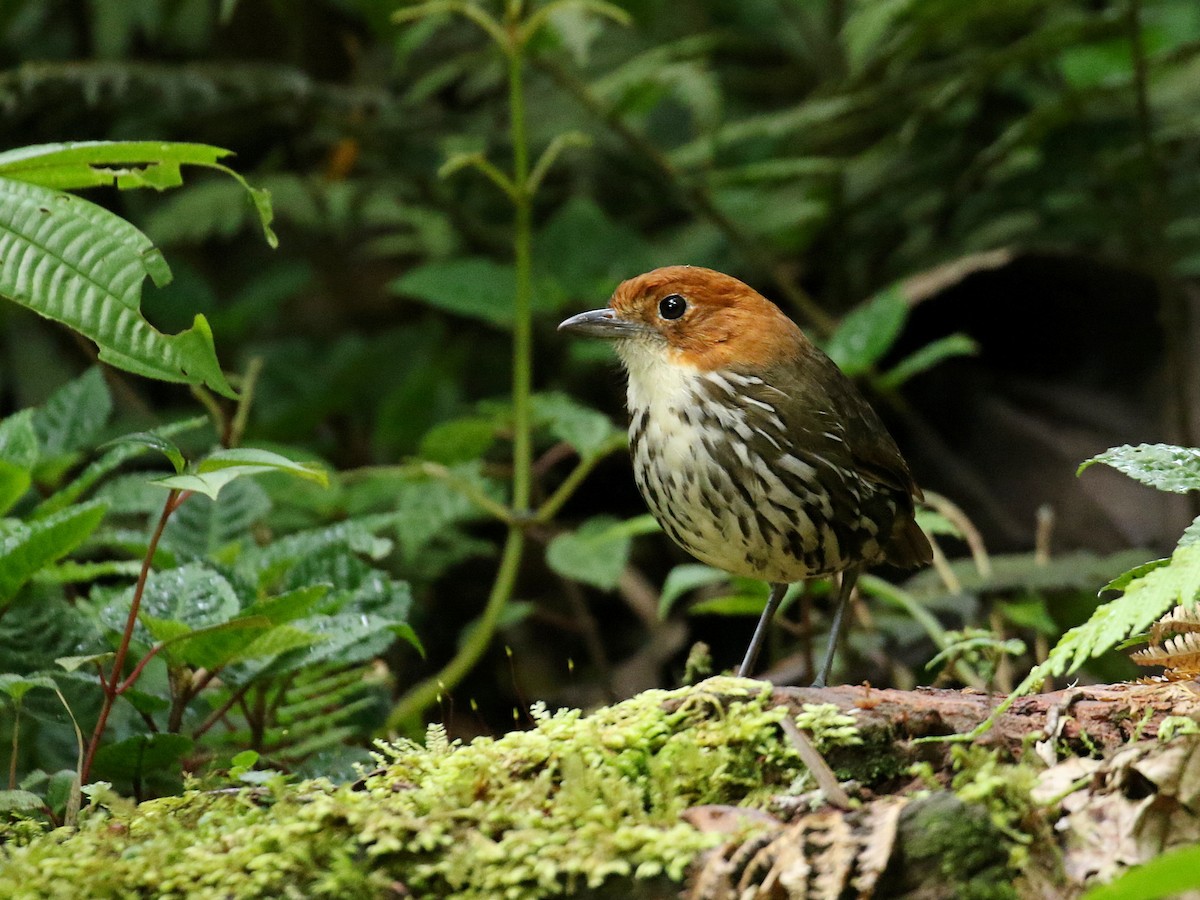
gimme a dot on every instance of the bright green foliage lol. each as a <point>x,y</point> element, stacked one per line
<point>75,262</point>
<point>1170,875</point>
<point>574,802</point>
<point>596,553</point>
<point>1161,466</point>
<point>27,548</point>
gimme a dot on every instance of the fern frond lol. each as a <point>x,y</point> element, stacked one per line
<point>1145,599</point>
<point>1178,654</point>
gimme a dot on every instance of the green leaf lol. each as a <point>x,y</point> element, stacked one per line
<point>15,801</point>
<point>216,470</point>
<point>1146,598</point>
<point>474,287</point>
<point>289,606</point>
<point>26,548</point>
<point>730,605</point>
<point>74,414</point>
<point>1169,875</point>
<point>111,461</point>
<point>125,165</point>
<point>935,523</point>
<point>141,754</point>
<point>581,253</point>
<point>155,442</point>
<point>686,578</point>
<point>76,263</point>
<point>590,432</point>
<point>868,331</point>
<point>194,595</point>
<point>1191,534</point>
<point>17,686</point>
<point>1161,466</point>
<point>926,358</point>
<point>14,482</point>
<point>74,663</point>
<point>203,527</point>
<point>243,638</point>
<point>18,440</point>
<point>459,440</point>
<point>596,552</point>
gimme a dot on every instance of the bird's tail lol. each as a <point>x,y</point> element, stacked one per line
<point>909,547</point>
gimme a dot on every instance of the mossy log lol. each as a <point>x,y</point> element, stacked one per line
<point>605,805</point>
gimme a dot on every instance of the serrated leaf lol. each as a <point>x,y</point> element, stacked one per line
<point>1122,581</point>
<point>1191,534</point>
<point>868,331</point>
<point>1145,599</point>
<point>76,263</point>
<point>926,358</point>
<point>240,639</point>
<point>587,430</point>
<point>1161,466</point>
<point>289,606</point>
<point>203,526</point>
<point>194,595</point>
<point>16,800</point>
<point>596,553</point>
<point>26,548</point>
<point>73,416</point>
<point>686,578</point>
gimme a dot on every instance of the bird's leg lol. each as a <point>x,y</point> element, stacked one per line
<point>760,631</point>
<point>849,576</point>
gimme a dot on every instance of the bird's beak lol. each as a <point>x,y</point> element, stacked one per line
<point>601,323</point>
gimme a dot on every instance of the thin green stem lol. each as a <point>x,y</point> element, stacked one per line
<point>523,302</point>
<point>406,714</point>
<point>549,509</point>
<point>469,490</point>
<point>410,707</point>
<point>12,763</point>
<point>900,598</point>
<point>237,427</point>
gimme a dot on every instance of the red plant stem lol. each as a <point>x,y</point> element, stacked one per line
<point>113,688</point>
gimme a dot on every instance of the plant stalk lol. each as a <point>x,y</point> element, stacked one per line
<point>113,687</point>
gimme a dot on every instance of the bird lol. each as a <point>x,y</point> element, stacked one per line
<point>754,452</point>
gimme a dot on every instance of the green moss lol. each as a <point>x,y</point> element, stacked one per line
<point>574,802</point>
<point>960,842</point>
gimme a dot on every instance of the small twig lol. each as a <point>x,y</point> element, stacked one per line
<point>217,714</point>
<point>470,491</point>
<point>970,533</point>
<point>1044,533</point>
<point>237,427</point>
<point>815,763</point>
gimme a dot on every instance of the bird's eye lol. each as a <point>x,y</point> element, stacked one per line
<point>672,306</point>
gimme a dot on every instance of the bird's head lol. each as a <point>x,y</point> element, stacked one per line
<point>693,317</point>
